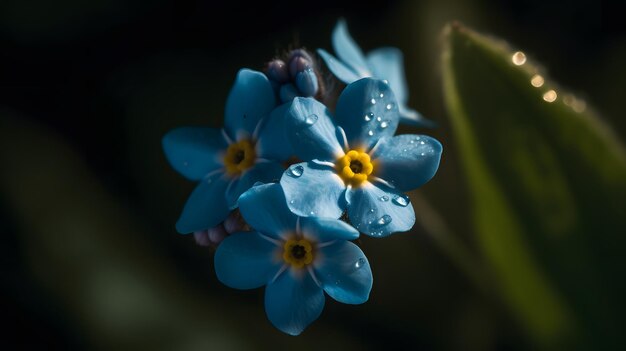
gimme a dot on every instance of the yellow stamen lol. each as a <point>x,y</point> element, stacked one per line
<point>239,157</point>
<point>354,167</point>
<point>298,252</point>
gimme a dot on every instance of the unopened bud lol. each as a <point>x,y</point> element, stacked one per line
<point>306,82</point>
<point>277,71</point>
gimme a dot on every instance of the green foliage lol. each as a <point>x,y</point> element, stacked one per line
<point>547,182</point>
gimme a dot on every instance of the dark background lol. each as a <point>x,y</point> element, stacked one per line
<point>103,80</point>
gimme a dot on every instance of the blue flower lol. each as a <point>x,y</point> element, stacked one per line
<point>361,168</point>
<point>383,63</point>
<point>228,161</point>
<point>296,258</point>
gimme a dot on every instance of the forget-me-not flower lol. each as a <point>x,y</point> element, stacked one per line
<point>296,258</point>
<point>228,161</point>
<point>361,168</point>
<point>384,63</point>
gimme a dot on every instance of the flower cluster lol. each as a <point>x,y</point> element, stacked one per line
<point>287,184</point>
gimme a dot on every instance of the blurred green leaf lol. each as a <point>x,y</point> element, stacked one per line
<point>548,186</point>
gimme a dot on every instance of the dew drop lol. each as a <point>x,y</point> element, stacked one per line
<point>381,95</point>
<point>370,133</point>
<point>311,119</point>
<point>384,124</point>
<point>389,106</point>
<point>312,213</point>
<point>537,81</point>
<point>368,117</point>
<point>518,58</point>
<point>422,143</point>
<point>384,220</point>
<point>379,118</point>
<point>373,101</point>
<point>360,263</point>
<point>385,81</point>
<point>384,198</point>
<point>292,202</point>
<point>371,210</point>
<point>550,96</point>
<point>401,200</point>
<point>296,171</point>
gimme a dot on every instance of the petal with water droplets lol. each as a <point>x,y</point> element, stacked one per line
<point>375,217</point>
<point>344,272</point>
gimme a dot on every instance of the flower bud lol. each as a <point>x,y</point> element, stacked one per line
<point>288,92</point>
<point>306,82</point>
<point>277,71</point>
<point>299,61</point>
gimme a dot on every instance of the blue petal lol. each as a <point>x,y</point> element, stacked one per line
<point>272,143</point>
<point>250,99</point>
<point>264,172</point>
<point>327,229</point>
<point>246,260</point>
<point>312,133</point>
<point>341,71</point>
<point>264,208</point>
<point>293,302</point>
<point>367,110</point>
<point>206,206</point>
<point>344,272</point>
<point>348,51</point>
<point>388,64</point>
<point>407,161</point>
<point>194,151</point>
<point>378,210</point>
<point>313,190</point>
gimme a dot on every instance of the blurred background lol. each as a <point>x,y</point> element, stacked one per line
<point>90,257</point>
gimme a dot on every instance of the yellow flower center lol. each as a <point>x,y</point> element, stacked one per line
<point>354,167</point>
<point>298,252</point>
<point>239,157</point>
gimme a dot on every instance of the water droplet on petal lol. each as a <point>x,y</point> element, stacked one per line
<point>292,202</point>
<point>381,95</point>
<point>312,213</point>
<point>401,200</point>
<point>370,133</point>
<point>360,263</point>
<point>296,171</point>
<point>384,124</point>
<point>384,220</point>
<point>311,119</point>
<point>373,101</point>
<point>384,198</point>
<point>389,106</point>
<point>367,117</point>
<point>379,118</point>
<point>422,143</point>
<point>385,81</point>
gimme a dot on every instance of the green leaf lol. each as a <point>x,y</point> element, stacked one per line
<point>547,181</point>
